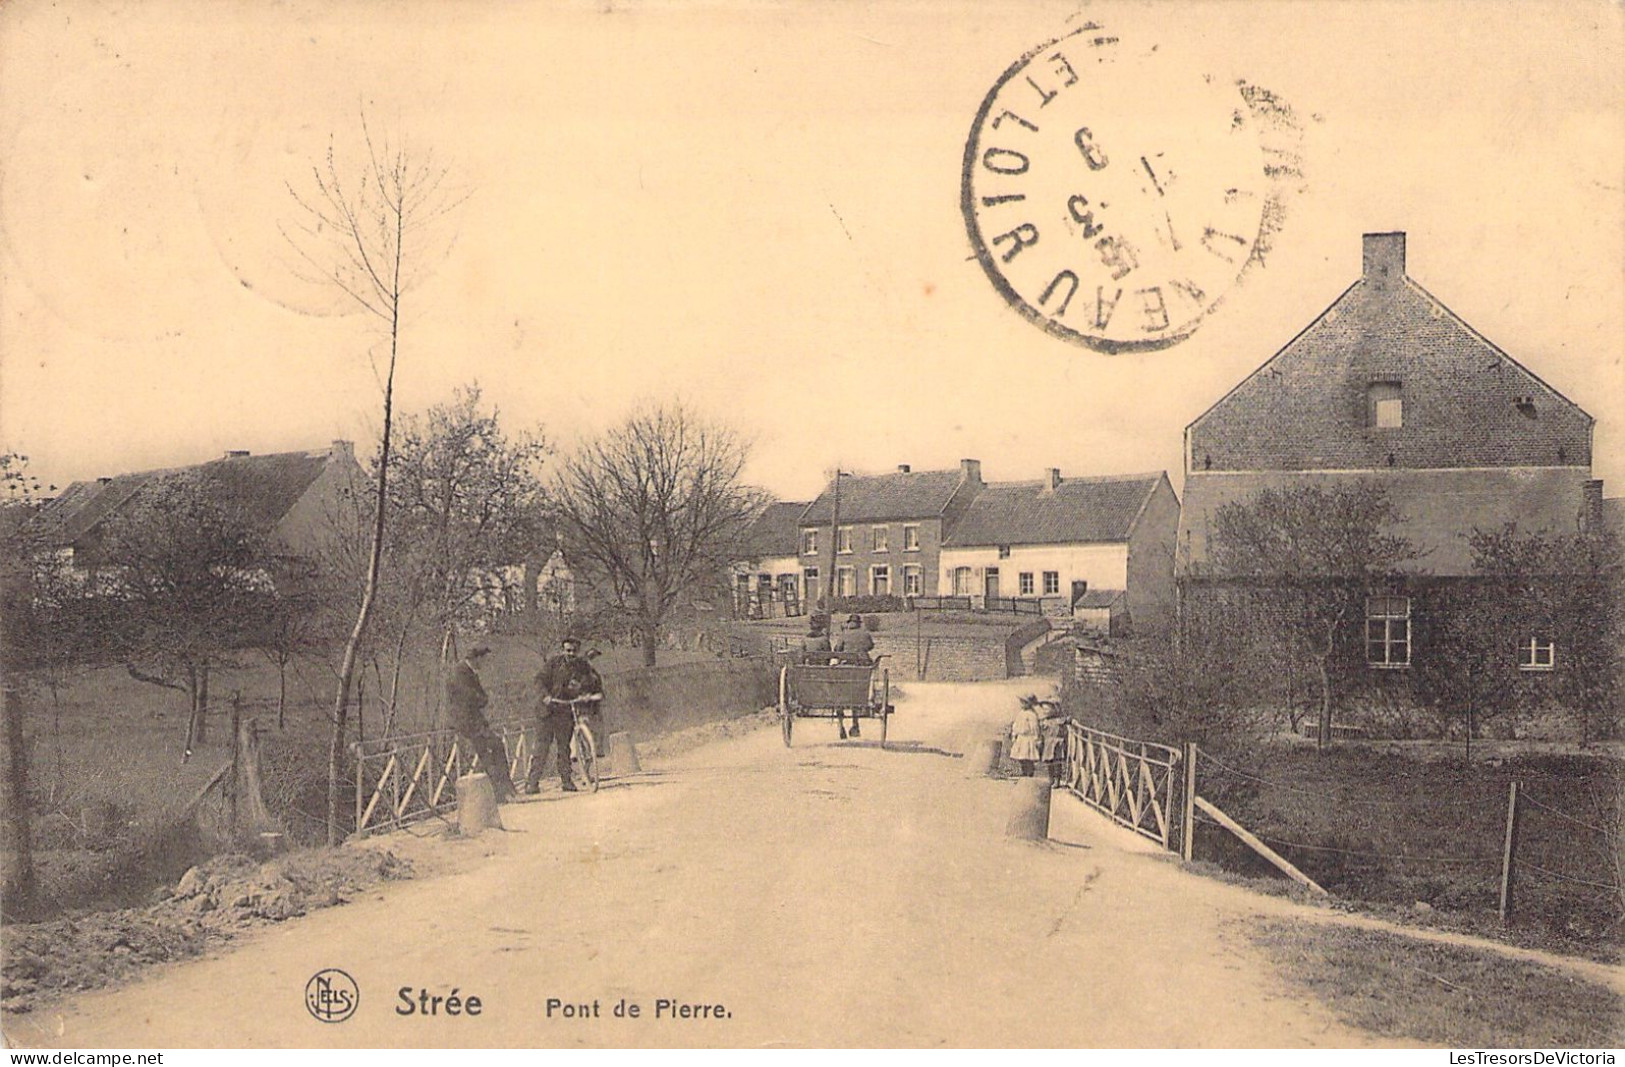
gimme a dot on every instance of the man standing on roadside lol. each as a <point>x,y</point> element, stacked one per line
<point>465,704</point>
<point>568,676</point>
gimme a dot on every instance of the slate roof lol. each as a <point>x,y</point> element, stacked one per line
<point>886,497</point>
<point>775,531</point>
<point>1439,509</point>
<point>1099,598</point>
<point>1079,510</point>
<point>264,488</point>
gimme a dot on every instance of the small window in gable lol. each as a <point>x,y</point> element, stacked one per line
<point>1386,405</point>
<point>1537,653</point>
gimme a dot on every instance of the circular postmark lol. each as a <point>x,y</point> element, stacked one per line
<point>1114,196</point>
<point>331,995</point>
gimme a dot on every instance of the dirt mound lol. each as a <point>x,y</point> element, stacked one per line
<point>211,904</point>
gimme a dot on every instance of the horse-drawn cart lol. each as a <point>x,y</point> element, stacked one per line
<point>823,687</point>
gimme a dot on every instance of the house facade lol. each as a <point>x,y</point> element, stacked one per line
<point>1389,389</point>
<point>1064,542</point>
<point>767,579</point>
<point>1036,547</point>
<point>887,531</point>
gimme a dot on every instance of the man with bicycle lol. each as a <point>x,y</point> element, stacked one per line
<point>567,678</point>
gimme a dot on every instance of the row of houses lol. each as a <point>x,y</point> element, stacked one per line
<point>1059,543</point>
<point>1387,387</point>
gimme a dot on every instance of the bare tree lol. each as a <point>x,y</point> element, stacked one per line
<point>367,236</point>
<point>466,499</point>
<point>652,511</point>
<point>1308,555</point>
<point>18,551</point>
<point>190,585</point>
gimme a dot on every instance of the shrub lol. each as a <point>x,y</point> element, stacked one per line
<point>867,605</point>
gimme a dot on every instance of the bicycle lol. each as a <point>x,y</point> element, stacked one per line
<point>583,746</point>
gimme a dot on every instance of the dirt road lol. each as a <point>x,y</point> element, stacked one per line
<point>832,894</point>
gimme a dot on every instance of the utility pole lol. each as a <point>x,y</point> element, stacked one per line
<point>834,554</point>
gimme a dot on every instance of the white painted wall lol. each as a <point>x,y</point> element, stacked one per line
<point>1102,566</point>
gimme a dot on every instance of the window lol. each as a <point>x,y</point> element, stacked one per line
<point>1388,632</point>
<point>880,580</point>
<point>912,585</point>
<point>1537,654</point>
<point>962,582</point>
<point>846,581</point>
<point>1052,583</point>
<point>809,542</point>
<point>911,539</point>
<point>1026,583</point>
<point>1004,551</point>
<point>1386,406</point>
<point>843,539</point>
<point>878,538</point>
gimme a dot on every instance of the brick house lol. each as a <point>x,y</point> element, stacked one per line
<point>888,531</point>
<point>1066,542</point>
<point>1388,387</point>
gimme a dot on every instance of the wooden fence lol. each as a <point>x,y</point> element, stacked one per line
<point>412,777</point>
<point>1133,782</point>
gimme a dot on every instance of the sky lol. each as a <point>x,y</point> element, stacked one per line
<point>751,207</point>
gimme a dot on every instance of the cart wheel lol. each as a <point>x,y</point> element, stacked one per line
<point>786,717</point>
<point>885,705</point>
<point>584,759</point>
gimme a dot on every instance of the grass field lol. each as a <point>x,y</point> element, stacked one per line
<point>1397,828</point>
<point>1442,994</point>
<point>110,790</point>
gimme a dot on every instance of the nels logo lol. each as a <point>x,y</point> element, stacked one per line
<point>331,996</point>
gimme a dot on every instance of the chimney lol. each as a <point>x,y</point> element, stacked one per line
<point>970,470</point>
<point>902,468</point>
<point>104,480</point>
<point>1591,513</point>
<point>236,453</point>
<point>343,448</point>
<point>1052,475</point>
<point>1384,259</point>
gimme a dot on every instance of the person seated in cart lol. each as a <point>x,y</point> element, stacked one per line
<point>817,639</point>
<point>855,644</point>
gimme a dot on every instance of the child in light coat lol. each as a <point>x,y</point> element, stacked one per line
<point>1024,736</point>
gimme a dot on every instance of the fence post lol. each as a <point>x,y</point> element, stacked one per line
<point>1507,851</point>
<point>1187,844</point>
<point>235,785</point>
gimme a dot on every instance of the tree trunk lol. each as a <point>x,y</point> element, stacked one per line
<point>341,699</point>
<point>191,713</point>
<point>649,634</point>
<point>19,841</point>
<point>281,693</point>
<point>203,703</point>
<point>1324,734</point>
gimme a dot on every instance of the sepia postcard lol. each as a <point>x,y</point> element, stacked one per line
<point>788,525</point>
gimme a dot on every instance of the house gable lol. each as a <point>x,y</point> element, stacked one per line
<point>1388,352</point>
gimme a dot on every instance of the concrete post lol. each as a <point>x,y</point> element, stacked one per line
<point>476,805</point>
<point>621,755</point>
<point>1029,815</point>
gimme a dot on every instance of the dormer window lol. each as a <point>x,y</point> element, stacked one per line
<point>1385,406</point>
